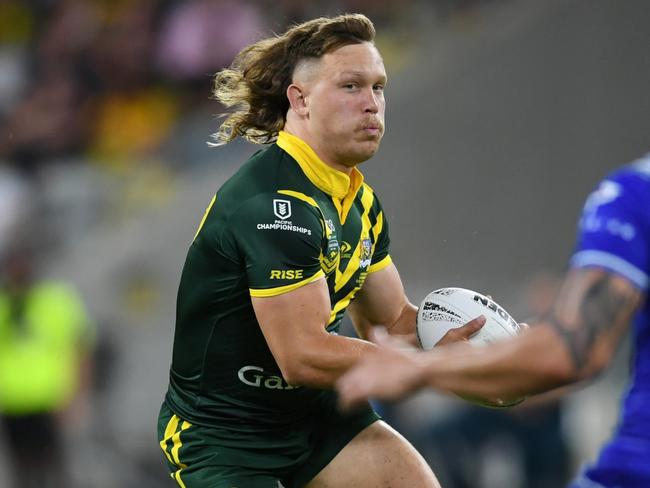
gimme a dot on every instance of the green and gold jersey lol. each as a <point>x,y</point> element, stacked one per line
<point>285,219</point>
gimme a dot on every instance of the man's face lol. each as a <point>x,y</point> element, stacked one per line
<point>345,102</point>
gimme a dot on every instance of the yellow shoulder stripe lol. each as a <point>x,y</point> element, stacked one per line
<point>379,225</point>
<point>279,290</point>
<point>380,264</point>
<point>205,215</point>
<point>299,196</point>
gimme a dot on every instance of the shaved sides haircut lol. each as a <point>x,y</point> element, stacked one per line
<point>255,84</point>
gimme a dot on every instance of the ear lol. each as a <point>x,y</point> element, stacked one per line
<point>297,100</point>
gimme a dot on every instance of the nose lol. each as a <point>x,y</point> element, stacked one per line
<point>371,102</point>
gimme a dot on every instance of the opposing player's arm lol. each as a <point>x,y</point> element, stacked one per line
<point>294,324</point>
<point>574,341</point>
<point>593,310</point>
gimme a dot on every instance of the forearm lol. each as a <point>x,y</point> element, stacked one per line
<point>535,362</point>
<point>574,341</point>
<point>404,326</point>
<point>382,302</point>
<point>323,359</point>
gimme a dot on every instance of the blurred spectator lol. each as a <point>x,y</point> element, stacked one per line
<point>45,349</point>
<point>15,203</point>
<point>202,36</point>
<point>112,82</point>
<point>49,122</point>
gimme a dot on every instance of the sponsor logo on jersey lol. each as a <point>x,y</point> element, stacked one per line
<point>282,208</point>
<point>594,221</point>
<point>346,250</point>
<point>366,251</point>
<point>330,225</point>
<point>607,192</point>
<point>256,377</point>
<point>286,274</point>
<point>284,225</point>
<point>361,279</point>
<point>612,226</point>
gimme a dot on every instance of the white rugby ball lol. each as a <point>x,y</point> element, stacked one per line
<point>448,308</point>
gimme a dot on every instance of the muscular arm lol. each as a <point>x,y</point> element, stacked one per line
<point>382,301</point>
<point>294,324</point>
<point>574,341</point>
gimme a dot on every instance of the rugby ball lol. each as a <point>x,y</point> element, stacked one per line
<point>448,308</point>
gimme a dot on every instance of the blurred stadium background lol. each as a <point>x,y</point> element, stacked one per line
<point>501,116</point>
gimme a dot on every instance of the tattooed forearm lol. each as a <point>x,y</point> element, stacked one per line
<point>568,336</point>
<point>601,306</point>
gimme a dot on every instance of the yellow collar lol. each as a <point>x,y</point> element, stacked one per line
<point>333,182</point>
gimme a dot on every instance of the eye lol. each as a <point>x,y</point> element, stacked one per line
<point>351,85</point>
<point>378,87</point>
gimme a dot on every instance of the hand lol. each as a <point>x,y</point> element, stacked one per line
<point>390,372</point>
<point>463,333</point>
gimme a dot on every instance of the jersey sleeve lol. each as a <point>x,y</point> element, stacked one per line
<point>614,230</point>
<point>380,256</point>
<point>280,239</point>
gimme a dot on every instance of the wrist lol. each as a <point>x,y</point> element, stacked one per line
<point>424,370</point>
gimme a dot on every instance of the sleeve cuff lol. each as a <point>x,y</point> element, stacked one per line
<point>279,290</point>
<point>381,264</point>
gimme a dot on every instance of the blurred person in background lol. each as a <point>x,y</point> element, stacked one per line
<point>604,292</point>
<point>283,249</point>
<point>46,342</point>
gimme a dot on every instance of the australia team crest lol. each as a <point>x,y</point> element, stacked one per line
<point>365,253</point>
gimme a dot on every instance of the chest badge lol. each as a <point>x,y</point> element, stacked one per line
<point>330,256</point>
<point>365,253</point>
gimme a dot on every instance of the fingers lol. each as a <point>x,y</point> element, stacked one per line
<point>381,337</point>
<point>351,394</point>
<point>464,332</point>
<point>354,387</point>
<point>471,327</point>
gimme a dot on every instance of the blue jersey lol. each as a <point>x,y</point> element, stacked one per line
<point>614,234</point>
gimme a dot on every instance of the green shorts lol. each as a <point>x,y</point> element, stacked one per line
<point>250,456</point>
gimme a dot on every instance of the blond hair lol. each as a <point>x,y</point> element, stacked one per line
<point>256,82</point>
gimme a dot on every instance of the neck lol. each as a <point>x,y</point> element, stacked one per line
<point>305,135</point>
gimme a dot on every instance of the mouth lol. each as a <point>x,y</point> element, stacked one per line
<point>372,129</point>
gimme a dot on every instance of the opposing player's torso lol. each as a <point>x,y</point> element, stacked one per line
<point>615,235</point>
<point>269,230</point>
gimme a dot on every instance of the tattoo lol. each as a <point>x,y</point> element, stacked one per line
<point>600,308</point>
<point>567,336</point>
